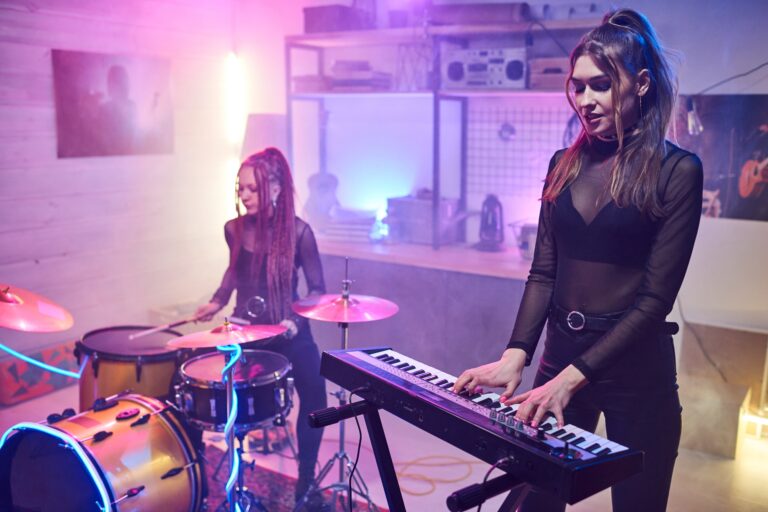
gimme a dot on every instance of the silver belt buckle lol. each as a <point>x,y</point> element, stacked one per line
<point>576,320</point>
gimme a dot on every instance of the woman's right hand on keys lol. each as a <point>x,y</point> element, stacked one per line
<point>505,373</point>
<point>206,311</point>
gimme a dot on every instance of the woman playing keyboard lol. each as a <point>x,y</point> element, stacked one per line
<point>619,216</point>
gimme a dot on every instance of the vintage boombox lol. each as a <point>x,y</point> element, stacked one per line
<point>496,68</point>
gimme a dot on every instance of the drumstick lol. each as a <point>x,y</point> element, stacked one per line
<point>161,328</point>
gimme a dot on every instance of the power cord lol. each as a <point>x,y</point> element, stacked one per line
<point>359,444</point>
<point>699,342</point>
<point>490,470</point>
<point>529,36</point>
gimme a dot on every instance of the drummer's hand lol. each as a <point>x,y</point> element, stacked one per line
<point>293,329</point>
<point>206,311</point>
<point>506,372</point>
<point>550,397</point>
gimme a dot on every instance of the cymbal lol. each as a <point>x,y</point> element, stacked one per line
<point>336,308</point>
<point>23,310</point>
<point>227,334</point>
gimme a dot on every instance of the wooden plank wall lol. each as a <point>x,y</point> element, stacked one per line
<point>110,238</point>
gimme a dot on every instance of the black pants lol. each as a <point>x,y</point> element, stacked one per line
<point>638,396</point>
<point>302,352</point>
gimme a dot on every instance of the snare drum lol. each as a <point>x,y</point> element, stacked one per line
<point>130,453</point>
<point>117,364</point>
<point>264,390</point>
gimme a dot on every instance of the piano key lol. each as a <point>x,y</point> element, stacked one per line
<point>447,381</point>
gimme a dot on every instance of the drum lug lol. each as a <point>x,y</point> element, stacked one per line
<point>289,390</point>
<point>138,368</point>
<point>141,421</point>
<point>95,365</point>
<point>76,352</point>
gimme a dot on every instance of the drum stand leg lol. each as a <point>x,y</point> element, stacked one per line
<point>342,486</point>
<point>246,500</point>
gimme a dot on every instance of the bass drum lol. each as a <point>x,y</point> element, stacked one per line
<point>129,453</point>
<point>115,363</point>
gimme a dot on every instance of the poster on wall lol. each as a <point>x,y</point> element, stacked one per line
<point>733,147</point>
<point>111,104</point>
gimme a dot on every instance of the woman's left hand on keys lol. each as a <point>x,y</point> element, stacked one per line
<point>550,397</point>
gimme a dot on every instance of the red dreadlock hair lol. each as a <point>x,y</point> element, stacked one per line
<point>275,229</point>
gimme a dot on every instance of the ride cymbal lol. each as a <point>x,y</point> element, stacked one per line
<point>227,334</point>
<point>337,308</point>
<point>23,310</point>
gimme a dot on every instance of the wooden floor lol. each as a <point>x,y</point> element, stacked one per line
<point>431,469</point>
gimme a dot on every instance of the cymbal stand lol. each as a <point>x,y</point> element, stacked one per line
<point>342,486</point>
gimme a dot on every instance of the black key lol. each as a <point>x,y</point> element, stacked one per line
<point>394,361</point>
<point>440,382</point>
<point>485,402</point>
<point>593,447</point>
<point>558,432</point>
<point>578,440</point>
<point>409,368</point>
<point>449,385</point>
<point>430,379</point>
<point>604,451</point>
<point>505,410</point>
<point>401,365</point>
<point>418,372</point>
<point>568,436</point>
<point>382,356</point>
<point>546,426</point>
<point>426,376</point>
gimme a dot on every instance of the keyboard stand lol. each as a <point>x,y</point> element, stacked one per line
<point>383,459</point>
<point>370,413</point>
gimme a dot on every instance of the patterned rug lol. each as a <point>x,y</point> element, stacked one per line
<point>274,490</point>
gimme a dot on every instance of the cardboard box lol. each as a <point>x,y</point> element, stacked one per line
<point>334,18</point>
<point>548,73</point>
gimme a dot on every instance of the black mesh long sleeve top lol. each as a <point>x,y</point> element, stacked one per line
<point>238,277</point>
<point>598,258</point>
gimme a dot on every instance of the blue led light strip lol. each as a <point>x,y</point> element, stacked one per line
<point>42,364</point>
<point>75,446</point>
<point>235,351</point>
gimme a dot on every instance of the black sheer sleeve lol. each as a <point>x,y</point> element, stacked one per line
<point>664,270</point>
<point>535,304</point>
<point>228,283</point>
<point>308,258</point>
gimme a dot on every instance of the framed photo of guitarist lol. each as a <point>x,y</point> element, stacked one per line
<point>733,147</point>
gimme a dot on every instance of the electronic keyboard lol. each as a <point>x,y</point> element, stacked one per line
<point>569,462</point>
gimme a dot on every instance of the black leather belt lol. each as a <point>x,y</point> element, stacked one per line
<point>576,321</point>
